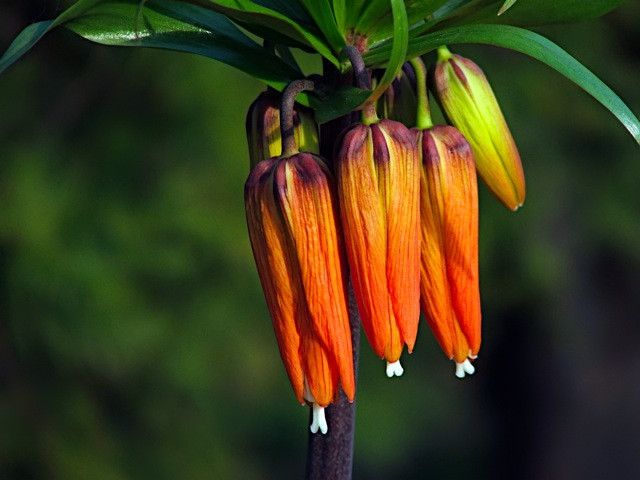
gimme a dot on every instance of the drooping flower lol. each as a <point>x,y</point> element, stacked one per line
<point>291,210</point>
<point>378,175</point>
<point>470,104</point>
<point>450,296</point>
<point>263,128</point>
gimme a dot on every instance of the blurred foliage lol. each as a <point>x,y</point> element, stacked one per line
<point>134,337</point>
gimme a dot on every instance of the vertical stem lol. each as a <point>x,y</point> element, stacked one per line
<point>330,456</point>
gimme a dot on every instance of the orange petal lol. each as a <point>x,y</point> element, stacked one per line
<point>401,192</point>
<point>364,230</point>
<point>270,246</point>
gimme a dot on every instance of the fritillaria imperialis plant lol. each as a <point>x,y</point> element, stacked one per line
<point>359,208</point>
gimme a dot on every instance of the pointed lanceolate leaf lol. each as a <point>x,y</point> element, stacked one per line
<point>529,13</point>
<point>269,21</point>
<point>506,6</point>
<point>163,24</point>
<point>323,16</point>
<point>398,48</point>
<point>531,44</point>
<point>23,42</point>
<point>184,27</point>
<point>34,32</point>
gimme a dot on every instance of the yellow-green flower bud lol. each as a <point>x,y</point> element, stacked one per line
<point>470,104</point>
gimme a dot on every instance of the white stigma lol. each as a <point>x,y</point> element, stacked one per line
<point>394,369</point>
<point>319,420</point>
<point>464,368</point>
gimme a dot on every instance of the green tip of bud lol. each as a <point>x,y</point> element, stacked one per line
<point>444,54</point>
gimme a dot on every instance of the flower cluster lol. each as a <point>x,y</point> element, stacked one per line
<point>395,211</point>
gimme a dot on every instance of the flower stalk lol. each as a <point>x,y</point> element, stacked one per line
<point>331,455</point>
<point>289,146</point>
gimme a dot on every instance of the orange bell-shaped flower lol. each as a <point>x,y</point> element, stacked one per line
<point>291,210</point>
<point>450,295</point>
<point>378,175</point>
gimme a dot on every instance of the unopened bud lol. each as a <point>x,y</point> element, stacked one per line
<point>470,104</point>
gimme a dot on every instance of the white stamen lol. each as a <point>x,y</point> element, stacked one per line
<point>319,420</point>
<point>394,369</point>
<point>464,368</point>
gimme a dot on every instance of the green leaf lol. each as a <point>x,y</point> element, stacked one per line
<point>322,14</point>
<point>271,23</point>
<point>398,48</point>
<point>292,9</point>
<point>339,8</point>
<point>23,43</point>
<point>445,10</point>
<point>529,43</point>
<point>506,6</point>
<point>348,12</point>
<point>342,101</point>
<point>418,12</point>
<point>537,12</point>
<point>373,13</point>
<point>183,27</point>
<point>34,32</point>
<point>285,54</point>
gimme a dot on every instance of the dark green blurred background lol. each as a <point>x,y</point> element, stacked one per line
<point>134,337</point>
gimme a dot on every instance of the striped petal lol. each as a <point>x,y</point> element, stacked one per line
<point>306,195</point>
<point>378,186</point>
<point>270,244</point>
<point>291,214</point>
<point>450,296</point>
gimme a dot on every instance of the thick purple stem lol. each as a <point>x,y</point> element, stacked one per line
<point>330,456</point>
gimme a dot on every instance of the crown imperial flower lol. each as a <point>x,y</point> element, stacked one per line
<point>450,297</point>
<point>378,185</point>
<point>291,215</point>
<point>470,104</point>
